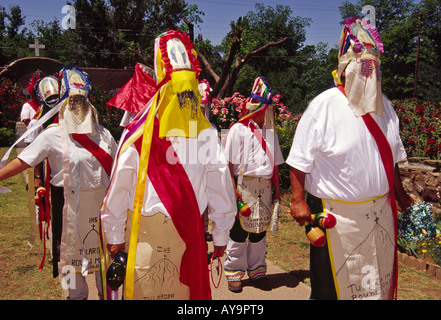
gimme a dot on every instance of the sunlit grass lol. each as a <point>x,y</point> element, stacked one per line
<point>21,279</point>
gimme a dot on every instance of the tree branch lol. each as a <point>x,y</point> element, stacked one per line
<point>241,62</point>
<point>235,46</point>
<point>208,66</point>
<point>262,48</point>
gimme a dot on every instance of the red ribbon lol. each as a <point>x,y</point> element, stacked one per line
<point>176,193</point>
<point>102,156</point>
<point>388,163</point>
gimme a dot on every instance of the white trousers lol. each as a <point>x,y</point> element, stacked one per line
<point>244,257</point>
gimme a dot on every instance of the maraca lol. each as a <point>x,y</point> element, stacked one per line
<point>243,208</point>
<point>41,193</point>
<point>315,235</point>
<point>324,220</point>
<point>117,270</point>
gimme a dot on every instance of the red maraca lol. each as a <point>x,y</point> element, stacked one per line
<point>41,192</point>
<point>324,220</point>
<point>243,208</point>
<point>314,234</point>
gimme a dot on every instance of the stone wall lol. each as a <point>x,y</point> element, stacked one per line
<point>422,181</point>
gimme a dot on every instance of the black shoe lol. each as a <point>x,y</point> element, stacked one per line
<point>235,286</point>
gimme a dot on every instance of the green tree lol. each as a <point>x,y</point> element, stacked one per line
<point>14,40</point>
<point>266,42</point>
<point>429,64</point>
<point>16,20</point>
<point>122,33</point>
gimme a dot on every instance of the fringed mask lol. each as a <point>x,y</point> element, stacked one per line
<point>78,113</point>
<point>359,66</point>
<point>74,81</point>
<point>177,72</point>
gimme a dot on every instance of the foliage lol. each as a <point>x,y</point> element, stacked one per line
<point>109,117</point>
<point>11,101</point>
<point>14,40</point>
<point>431,248</point>
<point>280,65</point>
<point>7,137</point>
<point>420,127</point>
<point>226,111</point>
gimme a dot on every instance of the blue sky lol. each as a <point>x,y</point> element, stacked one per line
<point>218,15</point>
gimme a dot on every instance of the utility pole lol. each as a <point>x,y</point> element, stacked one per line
<point>415,79</point>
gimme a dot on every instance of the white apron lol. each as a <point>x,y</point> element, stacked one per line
<point>362,248</point>
<point>158,260</point>
<point>80,236</point>
<point>257,193</point>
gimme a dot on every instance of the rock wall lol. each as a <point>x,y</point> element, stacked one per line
<point>422,181</point>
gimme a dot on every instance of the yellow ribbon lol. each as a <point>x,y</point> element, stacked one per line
<point>139,197</point>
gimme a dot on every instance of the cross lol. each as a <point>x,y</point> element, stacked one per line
<point>37,47</point>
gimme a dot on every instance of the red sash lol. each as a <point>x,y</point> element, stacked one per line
<point>176,193</point>
<point>388,163</point>
<point>262,141</point>
<point>102,156</point>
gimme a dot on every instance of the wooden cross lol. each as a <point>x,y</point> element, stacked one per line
<point>37,47</point>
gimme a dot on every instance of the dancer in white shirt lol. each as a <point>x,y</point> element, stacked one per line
<point>80,154</point>
<point>170,168</point>
<point>253,151</point>
<point>344,154</point>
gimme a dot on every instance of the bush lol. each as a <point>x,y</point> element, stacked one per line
<point>109,117</point>
<point>420,127</point>
<point>7,137</point>
<point>11,102</point>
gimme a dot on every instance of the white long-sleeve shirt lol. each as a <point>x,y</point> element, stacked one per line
<point>204,162</point>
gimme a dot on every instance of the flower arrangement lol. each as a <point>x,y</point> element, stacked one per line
<point>417,222</point>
